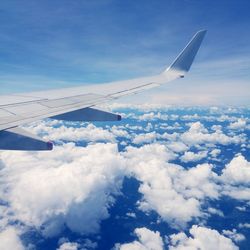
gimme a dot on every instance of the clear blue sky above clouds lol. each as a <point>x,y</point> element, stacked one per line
<point>50,44</point>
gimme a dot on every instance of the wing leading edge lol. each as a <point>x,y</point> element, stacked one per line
<point>77,103</point>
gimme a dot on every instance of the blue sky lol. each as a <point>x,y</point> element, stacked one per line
<point>50,44</point>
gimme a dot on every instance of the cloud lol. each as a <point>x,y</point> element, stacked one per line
<point>244,225</point>
<point>57,131</point>
<point>147,240</point>
<point>198,134</point>
<point>215,152</point>
<point>74,189</point>
<point>232,234</point>
<point>191,156</point>
<point>152,116</point>
<point>178,194</point>
<point>177,146</point>
<point>201,238</point>
<point>239,124</point>
<point>145,138</point>
<point>69,246</point>
<point>119,132</point>
<point>132,215</point>
<point>9,239</point>
<point>237,171</point>
<point>174,193</point>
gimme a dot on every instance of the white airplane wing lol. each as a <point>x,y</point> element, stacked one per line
<point>76,104</point>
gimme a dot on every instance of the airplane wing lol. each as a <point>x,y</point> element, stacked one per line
<point>76,104</point>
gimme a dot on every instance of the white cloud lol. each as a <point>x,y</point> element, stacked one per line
<point>238,193</point>
<point>177,146</point>
<point>241,208</point>
<point>75,186</point>
<point>201,238</point>
<point>145,138</point>
<point>9,239</point>
<point>198,134</point>
<point>191,156</point>
<point>174,193</point>
<point>153,116</point>
<point>177,194</point>
<point>72,186</point>
<point>237,171</point>
<point>69,246</point>
<point>239,124</point>
<point>215,152</point>
<point>147,240</point>
<point>119,132</point>
<point>232,234</point>
<point>89,132</point>
<point>244,225</point>
<point>212,210</point>
<point>145,107</point>
<point>132,215</point>
<point>235,179</point>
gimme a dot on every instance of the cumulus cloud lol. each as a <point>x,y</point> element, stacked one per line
<point>239,124</point>
<point>59,132</point>
<point>132,215</point>
<point>198,134</point>
<point>174,193</point>
<point>145,138</point>
<point>177,146</point>
<point>9,239</point>
<point>215,152</point>
<point>237,171</point>
<point>236,178</point>
<point>201,238</point>
<point>191,156</point>
<point>178,194</point>
<point>69,246</point>
<point>48,191</point>
<point>147,240</point>
<point>244,225</point>
<point>153,116</point>
<point>212,210</point>
<point>232,234</point>
<point>119,132</point>
<point>74,187</point>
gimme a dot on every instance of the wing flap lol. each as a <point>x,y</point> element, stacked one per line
<point>19,139</point>
<point>88,115</point>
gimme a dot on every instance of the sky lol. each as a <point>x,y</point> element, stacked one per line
<point>53,44</point>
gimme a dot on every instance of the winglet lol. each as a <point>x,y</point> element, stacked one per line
<point>185,59</point>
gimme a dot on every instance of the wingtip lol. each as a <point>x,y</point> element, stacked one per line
<point>202,31</point>
<point>185,59</point>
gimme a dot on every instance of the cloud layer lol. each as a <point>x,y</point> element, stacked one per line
<point>74,187</point>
